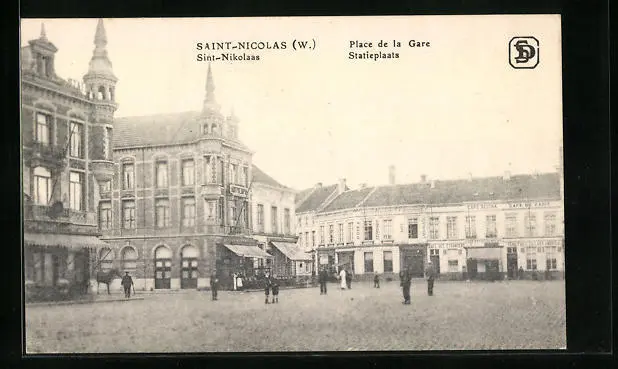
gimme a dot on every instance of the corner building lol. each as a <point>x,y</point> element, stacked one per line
<point>67,129</point>
<point>479,228</point>
<point>178,205</point>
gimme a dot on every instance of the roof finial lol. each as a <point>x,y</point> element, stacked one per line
<point>100,38</point>
<point>43,34</point>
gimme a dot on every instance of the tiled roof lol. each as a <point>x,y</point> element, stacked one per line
<point>160,129</point>
<point>316,199</point>
<point>260,177</point>
<point>518,187</point>
<point>300,195</point>
<point>348,199</point>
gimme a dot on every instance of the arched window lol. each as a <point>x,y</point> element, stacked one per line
<point>129,259</point>
<point>42,185</point>
<point>101,93</point>
<point>106,259</point>
<point>215,129</point>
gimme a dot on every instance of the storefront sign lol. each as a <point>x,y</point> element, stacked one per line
<point>446,245</point>
<point>535,243</point>
<point>323,259</point>
<point>526,205</point>
<point>482,206</point>
<point>238,191</point>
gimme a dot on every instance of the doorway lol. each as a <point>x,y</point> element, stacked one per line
<point>188,262</point>
<point>434,256</point>
<point>414,259</point>
<point>163,268</point>
<point>511,262</point>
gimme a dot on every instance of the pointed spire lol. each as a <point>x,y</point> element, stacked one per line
<point>100,38</point>
<point>100,63</point>
<point>210,104</point>
<point>210,86</point>
<point>43,34</point>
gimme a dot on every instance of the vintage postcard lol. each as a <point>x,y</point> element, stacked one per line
<point>292,184</point>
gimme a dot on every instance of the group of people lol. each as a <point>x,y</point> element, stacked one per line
<point>406,281</point>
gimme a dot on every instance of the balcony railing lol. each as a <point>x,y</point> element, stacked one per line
<point>211,191</point>
<point>44,213</point>
<point>48,154</point>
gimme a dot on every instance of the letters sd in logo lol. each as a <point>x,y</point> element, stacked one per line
<point>524,52</point>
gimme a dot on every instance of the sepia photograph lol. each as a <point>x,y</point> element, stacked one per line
<point>292,184</point>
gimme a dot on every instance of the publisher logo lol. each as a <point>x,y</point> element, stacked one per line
<point>524,52</point>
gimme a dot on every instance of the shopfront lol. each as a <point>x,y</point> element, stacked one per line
<point>484,263</point>
<point>57,266</point>
<point>413,257</point>
<point>233,259</point>
<point>448,259</point>
<point>538,258</point>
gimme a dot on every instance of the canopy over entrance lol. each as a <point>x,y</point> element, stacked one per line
<point>72,241</point>
<point>292,251</point>
<point>247,251</point>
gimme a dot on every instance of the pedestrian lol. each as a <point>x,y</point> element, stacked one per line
<point>430,274</point>
<point>275,289</point>
<point>127,283</point>
<point>521,273</point>
<point>267,285</point>
<point>323,278</point>
<point>214,285</point>
<point>239,282</point>
<point>342,279</point>
<point>376,280</point>
<point>406,282</point>
<point>348,279</point>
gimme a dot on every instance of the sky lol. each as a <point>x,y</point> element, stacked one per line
<point>454,109</point>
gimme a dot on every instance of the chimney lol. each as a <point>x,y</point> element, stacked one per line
<point>318,185</point>
<point>433,183</point>
<point>507,175</point>
<point>341,186</point>
<point>423,178</point>
<point>469,177</point>
<point>391,175</point>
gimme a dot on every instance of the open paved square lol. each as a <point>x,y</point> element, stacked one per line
<point>461,316</point>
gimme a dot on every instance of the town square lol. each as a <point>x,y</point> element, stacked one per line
<point>193,206</point>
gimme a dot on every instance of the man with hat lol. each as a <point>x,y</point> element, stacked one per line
<point>406,282</point>
<point>127,283</point>
<point>430,274</point>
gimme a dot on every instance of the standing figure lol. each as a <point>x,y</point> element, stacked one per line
<point>376,280</point>
<point>275,289</point>
<point>430,273</point>
<point>520,273</point>
<point>342,279</point>
<point>239,282</point>
<point>323,278</point>
<point>214,285</point>
<point>127,283</point>
<point>267,285</point>
<point>406,282</point>
<point>234,277</point>
<point>348,279</point>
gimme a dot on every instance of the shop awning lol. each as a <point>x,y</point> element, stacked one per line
<point>62,240</point>
<point>248,251</point>
<point>485,253</point>
<point>291,251</point>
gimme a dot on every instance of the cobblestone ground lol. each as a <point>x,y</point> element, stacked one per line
<point>461,316</point>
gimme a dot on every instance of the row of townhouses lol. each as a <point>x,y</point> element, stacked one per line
<point>492,227</point>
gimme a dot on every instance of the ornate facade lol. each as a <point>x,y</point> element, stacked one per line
<point>67,128</point>
<point>179,205</point>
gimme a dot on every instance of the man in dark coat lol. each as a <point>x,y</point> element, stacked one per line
<point>323,278</point>
<point>267,286</point>
<point>348,278</point>
<point>406,282</point>
<point>127,283</point>
<point>430,274</point>
<point>214,285</point>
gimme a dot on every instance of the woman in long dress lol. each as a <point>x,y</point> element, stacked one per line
<point>342,279</point>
